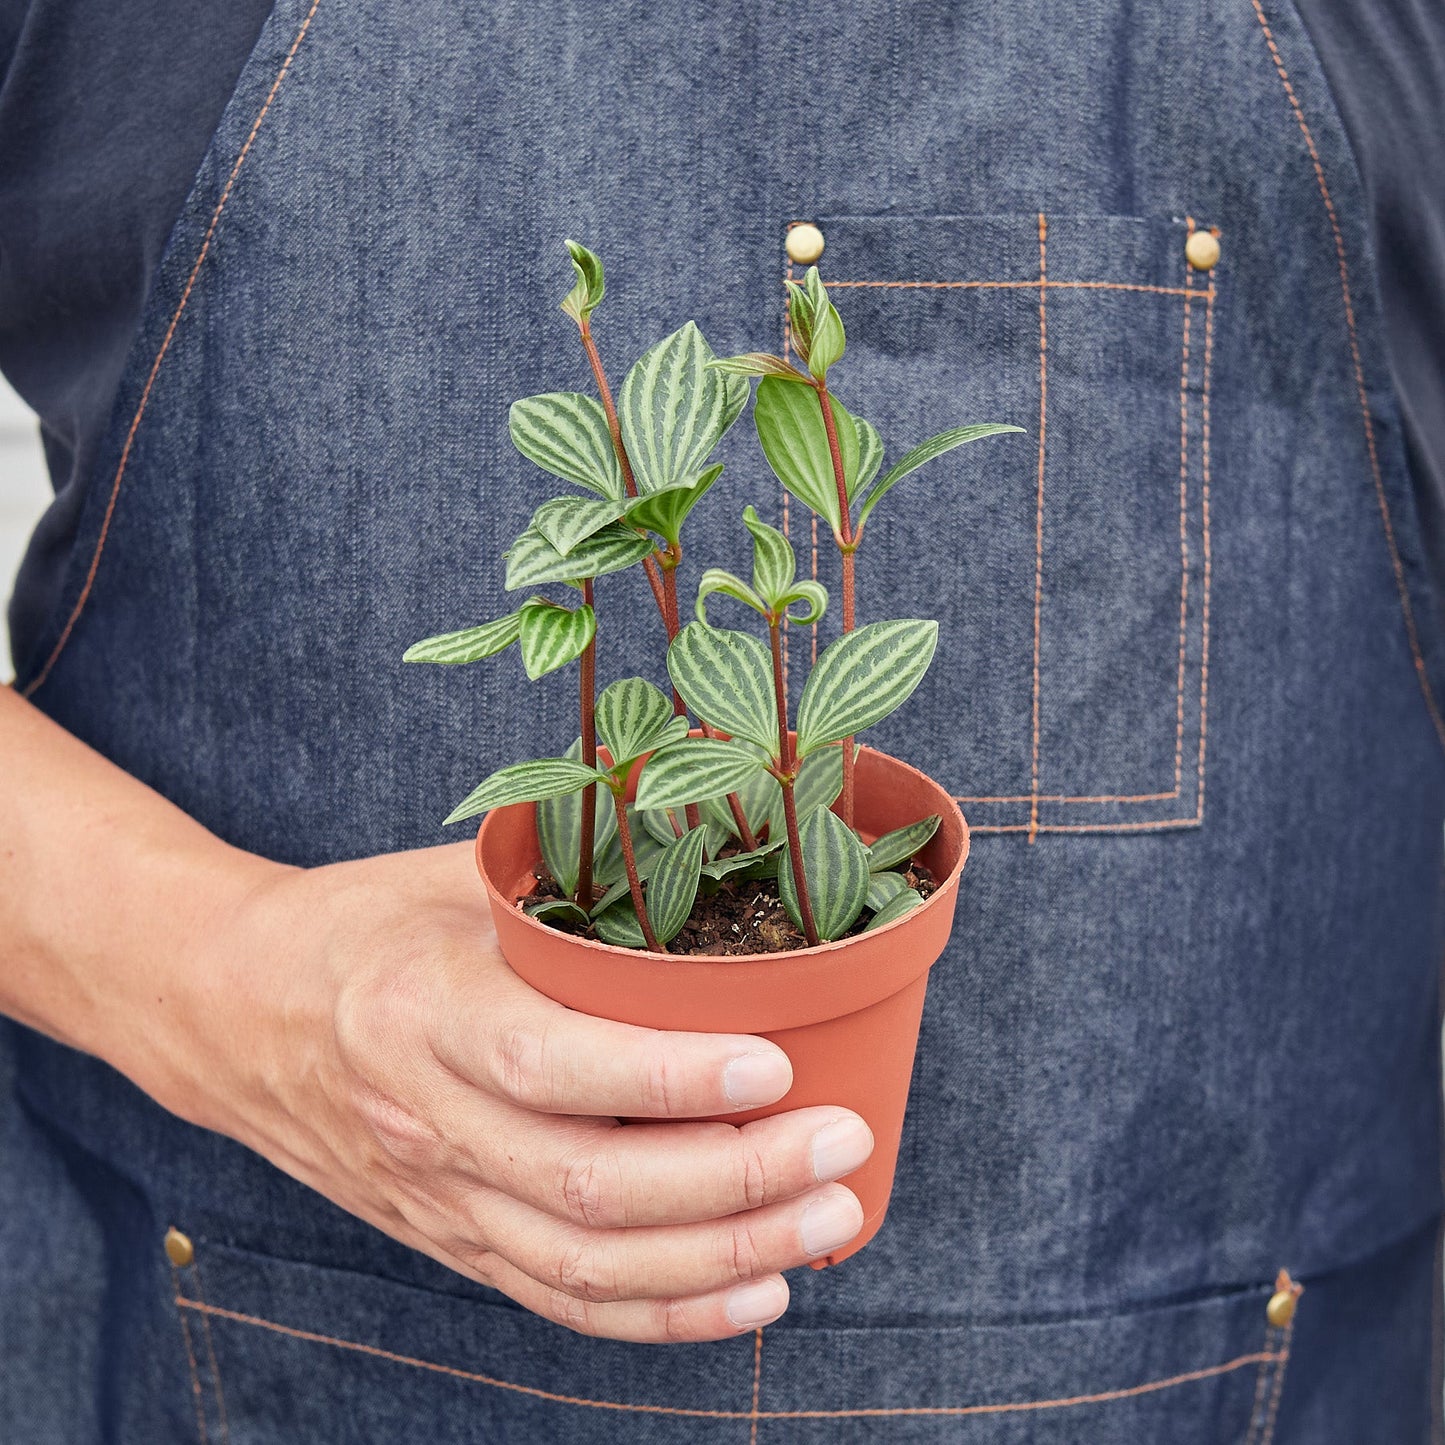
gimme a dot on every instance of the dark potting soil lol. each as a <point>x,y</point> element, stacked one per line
<point>741,918</point>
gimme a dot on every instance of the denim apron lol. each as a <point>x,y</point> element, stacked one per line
<point>1189,694</point>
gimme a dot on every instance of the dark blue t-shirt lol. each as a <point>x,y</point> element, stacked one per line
<point>107,107</point>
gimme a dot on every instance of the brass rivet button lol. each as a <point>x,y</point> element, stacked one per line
<point>1280,1309</point>
<point>179,1249</point>
<point>805,244</point>
<point>1201,250</point>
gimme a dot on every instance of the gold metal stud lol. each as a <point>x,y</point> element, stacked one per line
<point>805,244</point>
<point>179,1249</point>
<point>1201,250</point>
<point>1282,1303</point>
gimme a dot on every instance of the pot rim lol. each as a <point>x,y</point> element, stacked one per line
<point>940,895</point>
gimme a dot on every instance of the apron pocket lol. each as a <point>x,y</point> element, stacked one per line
<point>1069,568</point>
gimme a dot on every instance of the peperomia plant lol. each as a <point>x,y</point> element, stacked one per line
<point>745,797</point>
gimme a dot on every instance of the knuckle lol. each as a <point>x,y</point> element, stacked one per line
<point>582,1272</point>
<point>520,1063</point>
<point>756,1174</point>
<point>590,1194</point>
<point>575,1314</point>
<point>673,1324</point>
<point>661,1083</point>
<point>744,1256</point>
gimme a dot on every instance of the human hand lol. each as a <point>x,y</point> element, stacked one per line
<point>378,1048</point>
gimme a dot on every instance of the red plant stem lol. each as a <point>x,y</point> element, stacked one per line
<point>847,546</point>
<point>614,428</point>
<point>634,883</point>
<point>589,757</point>
<point>785,779</point>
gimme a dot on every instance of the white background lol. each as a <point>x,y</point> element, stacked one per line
<point>24,491</point>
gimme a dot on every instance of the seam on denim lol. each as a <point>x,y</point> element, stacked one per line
<point>211,1355</point>
<point>1152,825</point>
<point>1039,519</point>
<point>757,1383</point>
<point>1015,286</point>
<point>1102,1397</point>
<point>1277,1392</point>
<point>202,1434</point>
<point>1183,537</point>
<point>1070,798</point>
<point>38,680</point>
<point>1261,1386</point>
<point>1208,554</point>
<point>1396,564</point>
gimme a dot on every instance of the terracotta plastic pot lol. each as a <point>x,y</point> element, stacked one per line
<point>847,1014</point>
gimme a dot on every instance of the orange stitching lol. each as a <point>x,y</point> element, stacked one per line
<point>1277,1393</point>
<point>1183,544</point>
<point>1104,1397</point>
<point>1398,567</point>
<point>1014,286</point>
<point>757,1382</point>
<point>201,1431</point>
<point>1039,518</point>
<point>215,1368</point>
<point>100,541</point>
<point>1151,825</point>
<point>1061,798</point>
<point>1208,558</point>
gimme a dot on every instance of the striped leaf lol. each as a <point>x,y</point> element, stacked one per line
<point>608,867</point>
<point>532,560</point>
<point>524,783</point>
<point>794,439</point>
<point>800,321</point>
<point>762,801</point>
<point>902,843</point>
<point>468,645</point>
<point>819,781</point>
<point>692,769</point>
<point>726,678</point>
<point>557,910</point>
<point>633,717</point>
<point>553,636</point>
<point>774,565</point>
<point>827,343</point>
<point>673,885</point>
<point>758,363</point>
<point>883,888</point>
<point>618,924</point>
<point>870,457</point>
<point>894,909</point>
<point>663,824</point>
<point>674,410</point>
<point>566,521</point>
<point>861,678</point>
<point>923,453</point>
<point>566,434</point>
<point>586,296</point>
<point>836,867</point>
<point>718,579</point>
<point>814,598</point>
<point>764,860</point>
<point>559,829</point>
<point>666,510</point>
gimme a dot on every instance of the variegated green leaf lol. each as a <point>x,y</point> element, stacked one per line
<point>894,909</point>
<point>794,438</point>
<point>524,783</point>
<point>632,717</point>
<point>674,410</point>
<point>884,887</point>
<point>902,843</point>
<point>826,344</point>
<point>861,678</point>
<point>468,645</point>
<point>618,924</point>
<point>800,322</point>
<point>533,560</point>
<point>609,868</point>
<point>923,453</point>
<point>870,457</point>
<point>692,769</point>
<point>764,859</point>
<point>774,565</point>
<point>819,780</point>
<point>762,801</point>
<point>716,579</point>
<point>663,823</point>
<point>559,829</point>
<point>553,636</point>
<point>673,885</point>
<point>758,363</point>
<point>726,678</point>
<point>566,521</point>
<point>665,511</point>
<point>557,910</point>
<point>566,434</point>
<point>836,867</point>
<point>814,598</point>
<point>585,297</point>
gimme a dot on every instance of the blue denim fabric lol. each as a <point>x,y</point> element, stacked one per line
<point>1187,1030</point>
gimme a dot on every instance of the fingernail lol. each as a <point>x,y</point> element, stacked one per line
<point>757,1078</point>
<point>840,1147</point>
<point>829,1222</point>
<point>759,1302</point>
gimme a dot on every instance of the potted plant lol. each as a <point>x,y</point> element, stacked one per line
<point>703,860</point>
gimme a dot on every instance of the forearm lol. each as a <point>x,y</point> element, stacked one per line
<point>107,895</point>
